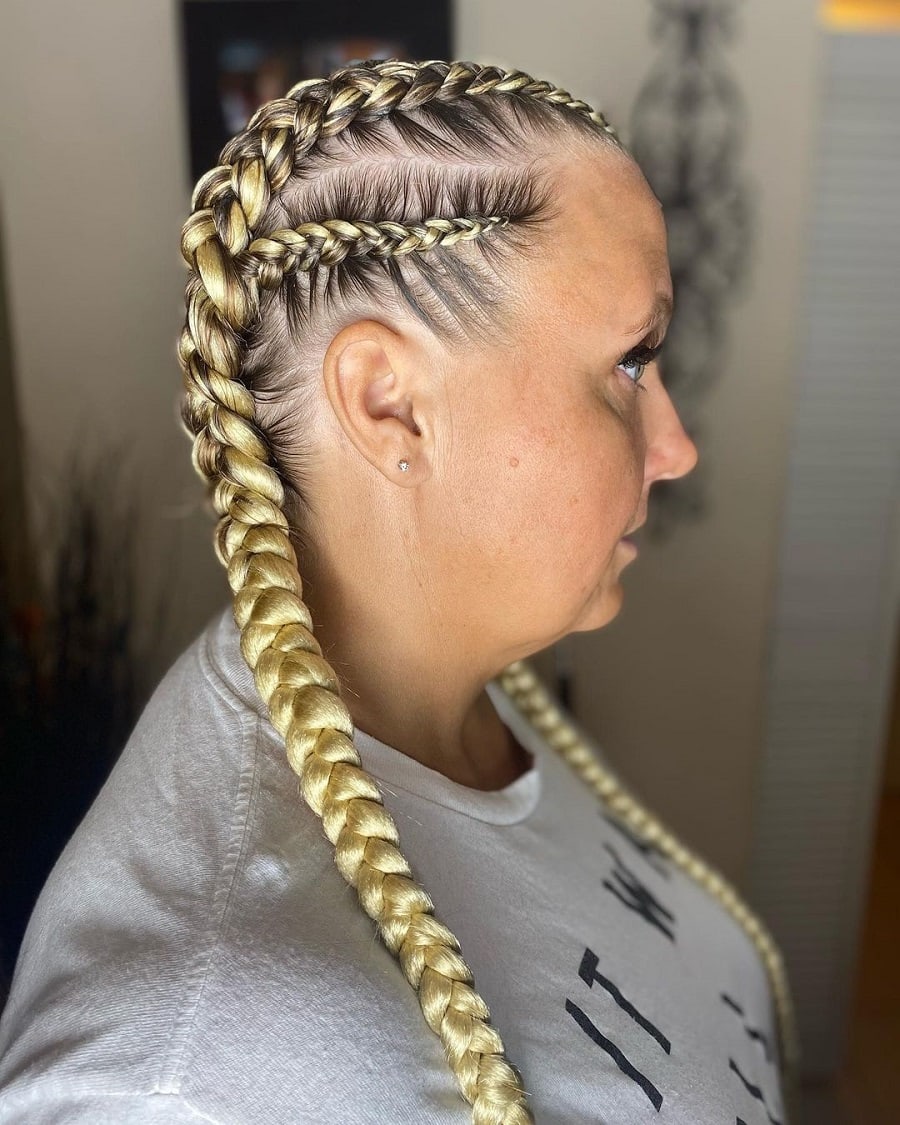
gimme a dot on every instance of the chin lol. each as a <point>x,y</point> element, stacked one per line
<point>587,616</point>
<point>600,611</point>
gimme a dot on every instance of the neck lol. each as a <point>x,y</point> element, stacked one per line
<point>409,677</point>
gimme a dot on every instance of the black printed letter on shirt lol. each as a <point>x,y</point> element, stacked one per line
<point>752,1032</point>
<point>589,974</point>
<point>754,1091</point>
<point>631,892</point>
<point>649,852</point>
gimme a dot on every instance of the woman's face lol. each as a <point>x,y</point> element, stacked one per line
<point>553,445</point>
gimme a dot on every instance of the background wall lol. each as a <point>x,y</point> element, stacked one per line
<point>95,191</point>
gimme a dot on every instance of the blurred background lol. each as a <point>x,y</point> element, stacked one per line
<point>748,690</point>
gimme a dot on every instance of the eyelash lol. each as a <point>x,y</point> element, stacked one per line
<point>641,356</point>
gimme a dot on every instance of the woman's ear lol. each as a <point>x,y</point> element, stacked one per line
<point>377,394</point>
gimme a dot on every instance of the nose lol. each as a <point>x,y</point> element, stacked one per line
<point>670,451</point>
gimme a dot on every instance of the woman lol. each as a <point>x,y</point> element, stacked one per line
<point>423,314</point>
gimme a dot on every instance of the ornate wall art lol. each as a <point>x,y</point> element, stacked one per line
<point>687,134</point>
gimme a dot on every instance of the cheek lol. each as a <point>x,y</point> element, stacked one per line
<point>566,493</point>
<point>538,475</point>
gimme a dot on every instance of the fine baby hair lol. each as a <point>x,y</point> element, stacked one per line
<point>388,183</point>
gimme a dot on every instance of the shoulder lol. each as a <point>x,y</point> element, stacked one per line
<point>196,940</point>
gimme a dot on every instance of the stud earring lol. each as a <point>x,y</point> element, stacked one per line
<point>403,465</point>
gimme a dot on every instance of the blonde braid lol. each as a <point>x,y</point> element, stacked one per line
<point>230,267</point>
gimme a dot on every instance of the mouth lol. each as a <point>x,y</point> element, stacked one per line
<point>627,541</point>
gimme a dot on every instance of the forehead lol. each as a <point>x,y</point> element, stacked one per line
<point>606,256</point>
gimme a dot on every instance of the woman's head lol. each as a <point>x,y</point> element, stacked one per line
<point>420,296</point>
<point>488,365</point>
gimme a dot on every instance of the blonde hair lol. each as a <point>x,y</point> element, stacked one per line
<point>268,257</point>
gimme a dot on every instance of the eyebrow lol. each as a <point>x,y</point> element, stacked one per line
<point>660,313</point>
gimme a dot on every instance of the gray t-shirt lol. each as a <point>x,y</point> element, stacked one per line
<point>196,956</point>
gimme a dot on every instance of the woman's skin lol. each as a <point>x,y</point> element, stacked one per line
<point>530,458</point>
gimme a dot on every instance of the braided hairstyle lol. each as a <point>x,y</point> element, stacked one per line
<point>401,183</point>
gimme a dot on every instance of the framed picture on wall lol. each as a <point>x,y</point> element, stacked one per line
<point>241,53</point>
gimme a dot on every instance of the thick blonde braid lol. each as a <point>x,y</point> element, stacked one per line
<point>230,267</point>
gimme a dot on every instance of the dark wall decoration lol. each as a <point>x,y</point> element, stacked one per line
<point>71,668</point>
<point>687,132</point>
<point>241,53</point>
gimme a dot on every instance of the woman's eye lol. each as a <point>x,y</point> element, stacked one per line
<point>634,368</point>
<point>635,363</point>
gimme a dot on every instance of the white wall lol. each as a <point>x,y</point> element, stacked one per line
<point>95,190</point>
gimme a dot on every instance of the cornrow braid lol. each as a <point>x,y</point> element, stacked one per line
<point>313,244</point>
<point>231,265</point>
